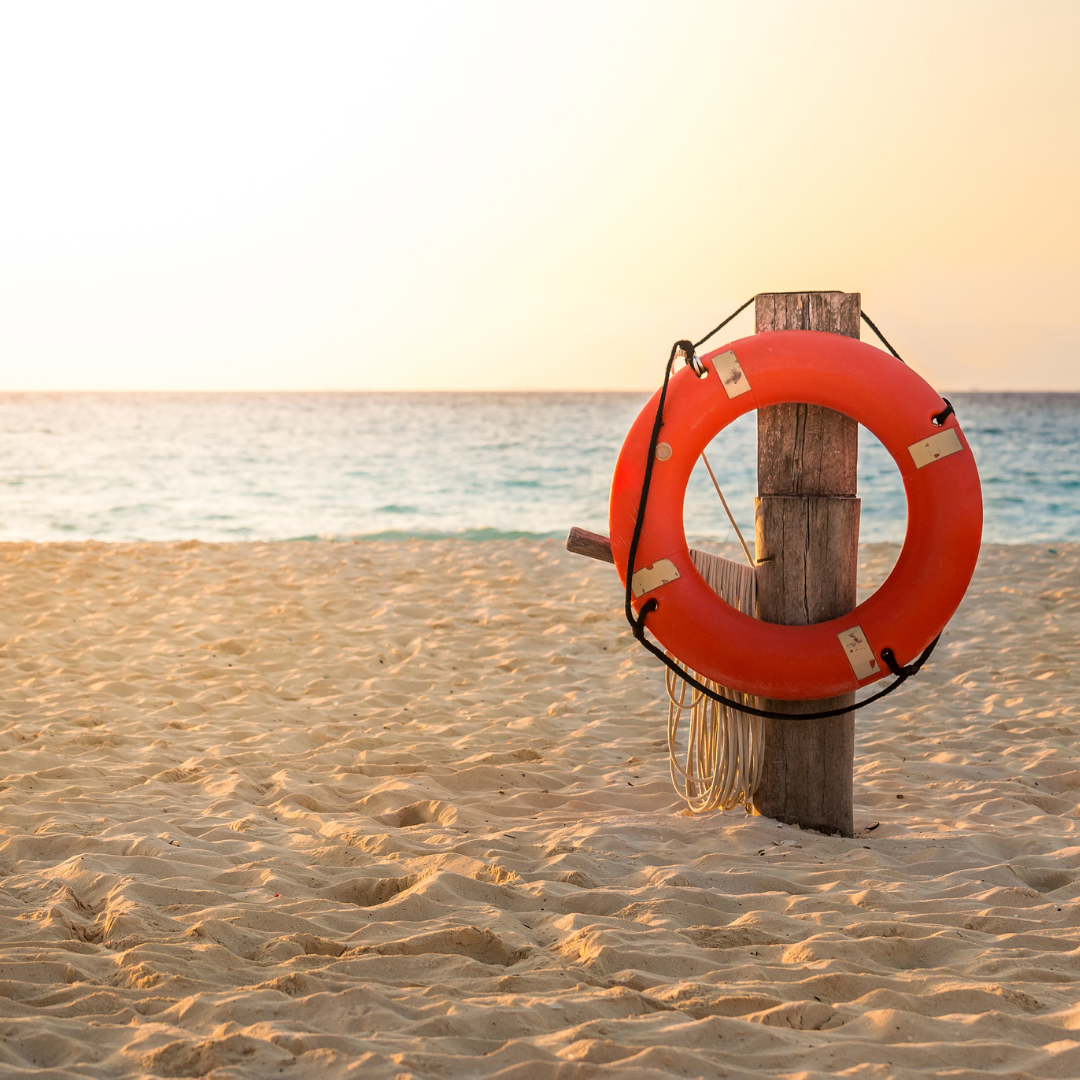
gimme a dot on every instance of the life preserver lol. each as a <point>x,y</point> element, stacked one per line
<point>944,523</point>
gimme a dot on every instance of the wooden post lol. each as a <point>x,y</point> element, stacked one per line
<point>807,531</point>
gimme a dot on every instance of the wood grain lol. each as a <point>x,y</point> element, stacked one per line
<point>806,449</point>
<point>807,540</point>
<point>808,549</point>
<point>591,545</point>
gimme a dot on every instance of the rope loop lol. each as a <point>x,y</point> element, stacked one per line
<point>940,418</point>
<point>890,662</point>
<point>685,349</point>
<point>906,671</point>
<point>638,624</point>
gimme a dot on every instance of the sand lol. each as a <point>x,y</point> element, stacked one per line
<point>402,810</point>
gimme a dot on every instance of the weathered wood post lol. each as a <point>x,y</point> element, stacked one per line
<point>807,531</point>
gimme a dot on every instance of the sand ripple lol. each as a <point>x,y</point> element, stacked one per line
<point>391,810</point>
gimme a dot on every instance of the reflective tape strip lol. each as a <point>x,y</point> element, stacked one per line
<point>652,577</point>
<point>860,655</point>
<point>935,448</point>
<point>731,374</point>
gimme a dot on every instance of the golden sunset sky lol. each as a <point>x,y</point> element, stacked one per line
<point>473,195</point>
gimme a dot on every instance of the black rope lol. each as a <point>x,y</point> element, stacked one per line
<point>717,329</point>
<point>910,669</point>
<point>941,417</point>
<point>637,623</point>
<point>938,418</point>
<point>689,354</point>
<point>870,322</point>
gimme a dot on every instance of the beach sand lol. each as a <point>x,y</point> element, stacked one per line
<point>402,810</point>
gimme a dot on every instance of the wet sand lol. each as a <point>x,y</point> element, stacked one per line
<point>402,810</point>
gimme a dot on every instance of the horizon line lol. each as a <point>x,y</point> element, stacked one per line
<point>430,390</point>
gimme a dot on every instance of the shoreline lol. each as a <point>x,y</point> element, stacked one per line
<point>704,542</point>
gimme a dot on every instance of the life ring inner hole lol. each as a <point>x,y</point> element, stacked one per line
<point>732,453</point>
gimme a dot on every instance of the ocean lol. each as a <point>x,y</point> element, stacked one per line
<point>343,466</point>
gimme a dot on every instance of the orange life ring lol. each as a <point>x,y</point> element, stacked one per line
<point>944,524</point>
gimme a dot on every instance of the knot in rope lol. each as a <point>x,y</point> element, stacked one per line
<point>685,349</point>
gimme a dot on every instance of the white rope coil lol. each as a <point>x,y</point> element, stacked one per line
<point>723,745</point>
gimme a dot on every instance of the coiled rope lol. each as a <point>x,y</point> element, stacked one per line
<point>724,745</point>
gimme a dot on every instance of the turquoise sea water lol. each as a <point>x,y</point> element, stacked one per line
<point>340,466</point>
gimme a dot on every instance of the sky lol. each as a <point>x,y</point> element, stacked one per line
<point>473,195</point>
